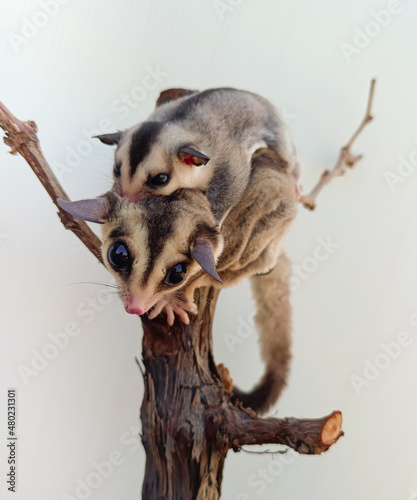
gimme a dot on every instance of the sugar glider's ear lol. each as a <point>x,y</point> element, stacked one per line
<point>97,210</point>
<point>173,95</point>
<point>191,156</point>
<point>202,252</point>
<point>110,139</point>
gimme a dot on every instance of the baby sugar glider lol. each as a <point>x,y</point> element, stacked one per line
<point>155,247</point>
<point>162,248</point>
<point>202,140</point>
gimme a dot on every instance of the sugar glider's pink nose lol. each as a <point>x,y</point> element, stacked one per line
<point>133,197</point>
<point>136,305</point>
<point>134,310</point>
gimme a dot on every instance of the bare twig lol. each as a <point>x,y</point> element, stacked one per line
<point>22,139</point>
<point>345,159</point>
<point>265,452</point>
<point>140,367</point>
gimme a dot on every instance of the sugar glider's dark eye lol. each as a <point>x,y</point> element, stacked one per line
<point>119,257</point>
<point>159,180</point>
<point>176,274</point>
<point>116,170</point>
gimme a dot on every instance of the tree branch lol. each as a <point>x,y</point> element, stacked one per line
<point>307,436</point>
<point>22,138</point>
<point>345,159</point>
<point>189,421</point>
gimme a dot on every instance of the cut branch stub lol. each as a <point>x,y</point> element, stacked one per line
<point>306,436</point>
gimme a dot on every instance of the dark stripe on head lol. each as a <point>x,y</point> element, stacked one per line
<point>142,141</point>
<point>118,232</point>
<point>160,221</point>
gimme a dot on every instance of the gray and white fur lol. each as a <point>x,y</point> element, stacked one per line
<point>161,249</point>
<point>203,140</point>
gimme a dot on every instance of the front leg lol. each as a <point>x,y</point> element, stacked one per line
<point>173,306</point>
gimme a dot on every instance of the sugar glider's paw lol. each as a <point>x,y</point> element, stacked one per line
<point>173,307</point>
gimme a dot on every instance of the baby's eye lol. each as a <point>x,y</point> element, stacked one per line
<point>116,170</point>
<point>176,274</point>
<point>159,180</point>
<point>119,257</point>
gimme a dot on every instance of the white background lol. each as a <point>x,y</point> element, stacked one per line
<point>82,407</point>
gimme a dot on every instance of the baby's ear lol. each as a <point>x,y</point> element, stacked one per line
<point>110,139</point>
<point>98,210</point>
<point>191,156</point>
<point>202,253</point>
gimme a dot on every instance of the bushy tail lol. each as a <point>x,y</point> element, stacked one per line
<point>273,321</point>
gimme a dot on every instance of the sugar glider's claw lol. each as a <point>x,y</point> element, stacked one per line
<point>157,309</point>
<point>173,307</point>
<point>182,315</point>
<point>170,314</point>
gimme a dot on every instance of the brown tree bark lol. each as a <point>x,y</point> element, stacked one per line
<point>189,422</point>
<point>183,392</point>
<point>188,417</point>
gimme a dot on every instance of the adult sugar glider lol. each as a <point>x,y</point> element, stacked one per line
<point>202,140</point>
<point>164,247</point>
